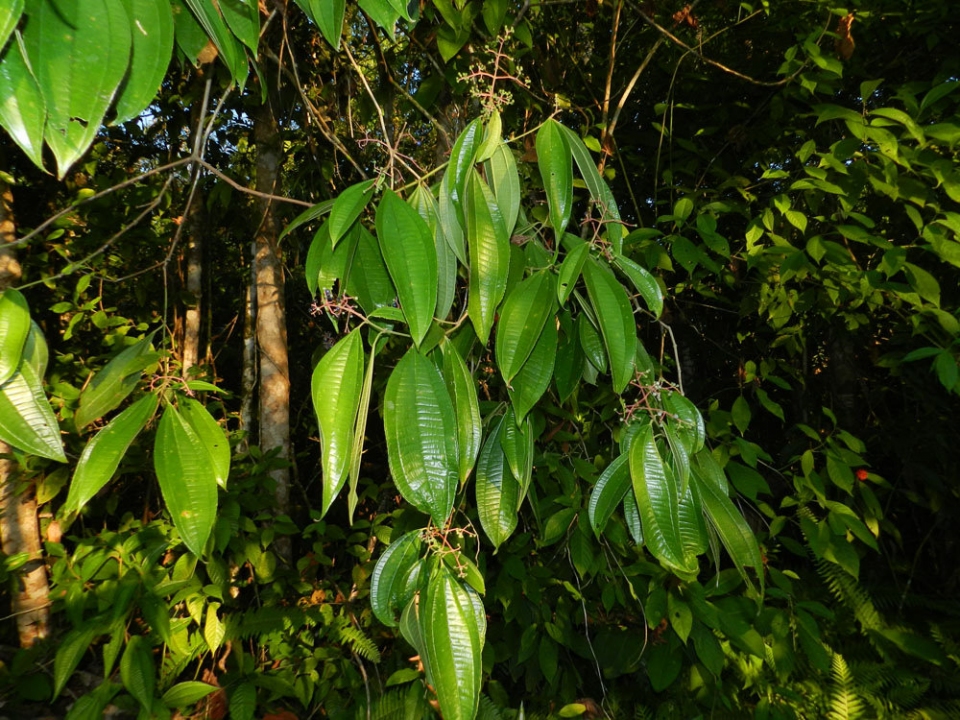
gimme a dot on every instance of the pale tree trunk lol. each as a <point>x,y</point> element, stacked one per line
<point>193,284</point>
<point>248,380</point>
<point>271,316</point>
<point>19,527</point>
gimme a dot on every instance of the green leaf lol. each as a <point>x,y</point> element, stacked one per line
<point>369,280</point>
<point>14,328</point>
<point>489,255</point>
<point>137,671</point>
<point>534,377</point>
<point>615,316</point>
<point>27,421</point>
<point>348,206</point>
<point>187,693</point>
<point>211,435</point>
<point>645,283</point>
<point>23,111</point>
<point>70,651</point>
<point>505,183</point>
<point>522,317</point>
<point>230,49</point>
<point>463,391</point>
<point>517,442</point>
<point>243,19</point>
<point>407,246</point>
<point>9,17</point>
<point>213,629</point>
<point>117,379</point>
<point>151,27</point>
<point>492,137</point>
<point>730,526</point>
<point>688,416</point>
<point>308,215</point>
<point>556,169</point>
<point>612,486</point>
<point>382,13</point>
<point>462,159</point>
<point>394,579</point>
<point>426,205</point>
<point>102,454</point>
<point>243,701</point>
<point>681,617</point>
<point>600,193</point>
<point>570,270</point>
<point>452,643</point>
<point>421,433</point>
<point>740,412</point>
<point>335,388</point>
<point>658,501</point>
<point>360,430</point>
<point>497,489</point>
<point>80,52</point>
<point>188,482</point>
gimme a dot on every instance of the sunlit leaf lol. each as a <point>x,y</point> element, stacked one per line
<point>534,377</point>
<point>23,111</point>
<point>14,328</point>
<point>27,421</point>
<point>556,169</point>
<point>391,584</point>
<point>463,390</point>
<point>151,28</point>
<point>489,255</point>
<point>497,489</point>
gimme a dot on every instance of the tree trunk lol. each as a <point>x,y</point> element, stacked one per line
<point>248,380</point>
<point>271,317</point>
<point>19,528</point>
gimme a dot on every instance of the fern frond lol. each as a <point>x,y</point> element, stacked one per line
<point>487,710</point>
<point>851,593</point>
<point>359,643</point>
<point>845,702</point>
<point>389,706</point>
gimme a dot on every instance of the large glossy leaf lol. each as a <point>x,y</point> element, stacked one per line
<point>556,169</point>
<point>505,183</point>
<point>452,643</point>
<point>335,387</point>
<point>534,377</point>
<point>36,353</point>
<point>80,52</point>
<point>230,49</point>
<point>328,15</point>
<point>645,283</point>
<point>497,489</point>
<point>608,493</point>
<point>688,417</point>
<point>348,206</point>
<point>421,433</point>
<point>27,421</point>
<point>243,19</point>
<point>23,111</point>
<point>9,16</point>
<point>658,501</point>
<point>102,454</point>
<point>392,586</point>
<point>360,429</point>
<point>14,328</point>
<point>452,222</point>
<point>615,316</point>
<point>407,246</point>
<point>693,530</point>
<point>570,270</point>
<point>211,435</point>
<point>463,390</point>
<point>117,379</point>
<point>570,360</point>
<point>730,526</point>
<point>600,193</point>
<point>369,281</point>
<point>462,158</point>
<point>489,255</point>
<point>522,317</point>
<point>188,482</point>
<point>427,207</point>
<point>151,26</point>
<point>517,442</point>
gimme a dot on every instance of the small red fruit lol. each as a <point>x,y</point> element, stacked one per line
<point>861,474</point>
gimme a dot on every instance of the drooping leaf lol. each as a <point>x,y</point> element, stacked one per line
<point>612,485</point>
<point>188,482</point>
<point>187,693</point>
<point>534,377</point>
<point>23,111</point>
<point>137,671</point>
<point>497,489</point>
<point>243,19</point>
<point>505,183</point>
<point>658,501</point>
<point>335,388</point>
<point>14,328</point>
<point>360,430</point>
<point>151,28</point>
<point>615,316</point>
<point>600,193</point>
<point>452,643</point>
<point>9,17</point>
<point>463,390</point>
<point>688,417</point>
<point>426,205</point>
<point>369,281</point>
<point>117,379</point>
<point>462,159</point>
<point>211,435</point>
<point>645,283</point>
<point>348,206</point>
<point>27,421</point>
<point>69,653</point>
<point>556,169</point>
<point>230,49</point>
<point>489,255</point>
<point>391,584</point>
<point>517,442</point>
<point>492,137</point>
<point>102,454</point>
<point>80,52</point>
<point>421,432</point>
<point>570,270</point>
<point>730,526</point>
<point>407,246</point>
<point>522,317</point>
